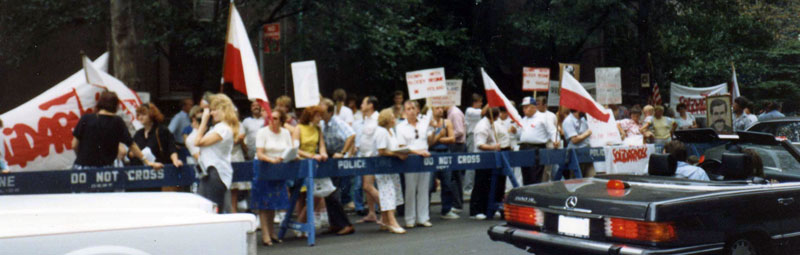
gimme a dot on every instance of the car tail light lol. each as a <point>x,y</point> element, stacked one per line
<point>524,215</point>
<point>617,185</point>
<point>640,230</point>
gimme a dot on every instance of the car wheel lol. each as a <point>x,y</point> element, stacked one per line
<point>747,245</point>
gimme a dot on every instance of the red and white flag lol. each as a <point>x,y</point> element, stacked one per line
<point>574,96</point>
<point>240,67</point>
<point>496,98</point>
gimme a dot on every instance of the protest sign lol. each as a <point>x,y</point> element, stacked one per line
<point>535,79</point>
<point>38,133</point>
<point>609,85</point>
<point>603,133</point>
<point>306,84</point>
<point>694,98</point>
<point>426,83</point>
<point>572,69</point>
<point>453,95</point>
<point>553,94</point>
<point>645,80</point>
<point>628,159</point>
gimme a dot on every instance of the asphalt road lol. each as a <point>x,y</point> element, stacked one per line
<point>461,236</point>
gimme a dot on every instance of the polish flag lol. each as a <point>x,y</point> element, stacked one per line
<point>574,96</point>
<point>240,67</point>
<point>496,98</point>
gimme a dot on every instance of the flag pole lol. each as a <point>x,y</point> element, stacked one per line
<point>225,56</point>
<point>85,72</point>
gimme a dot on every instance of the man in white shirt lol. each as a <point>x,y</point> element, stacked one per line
<point>416,132</point>
<point>485,141</point>
<point>555,142</point>
<point>741,118</point>
<point>251,126</point>
<point>536,132</point>
<point>365,145</point>
<point>472,115</point>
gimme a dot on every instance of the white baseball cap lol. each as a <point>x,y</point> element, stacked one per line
<point>528,101</point>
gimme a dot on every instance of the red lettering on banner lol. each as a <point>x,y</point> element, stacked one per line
<point>56,131</point>
<point>629,155</point>
<point>694,105</point>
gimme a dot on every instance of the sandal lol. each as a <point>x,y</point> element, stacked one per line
<point>363,220</point>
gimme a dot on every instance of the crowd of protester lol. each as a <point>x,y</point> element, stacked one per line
<point>210,136</point>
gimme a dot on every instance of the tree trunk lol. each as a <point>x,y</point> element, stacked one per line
<point>123,43</point>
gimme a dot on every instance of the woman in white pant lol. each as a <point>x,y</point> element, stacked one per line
<point>416,133</point>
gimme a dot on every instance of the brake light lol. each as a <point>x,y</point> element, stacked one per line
<point>524,215</point>
<point>640,230</point>
<point>617,184</point>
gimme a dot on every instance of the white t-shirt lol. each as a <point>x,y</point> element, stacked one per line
<point>384,140</point>
<point>251,126</point>
<point>272,143</point>
<point>218,155</point>
<point>471,117</point>
<point>502,128</point>
<point>346,114</point>
<point>415,136</point>
<point>365,135</point>
<point>483,134</point>
<point>237,155</point>
<point>191,147</point>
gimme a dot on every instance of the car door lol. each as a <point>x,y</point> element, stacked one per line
<point>787,200</point>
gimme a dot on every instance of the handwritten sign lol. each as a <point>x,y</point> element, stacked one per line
<point>426,83</point>
<point>603,133</point>
<point>628,159</point>
<point>306,84</point>
<point>535,79</point>
<point>609,85</point>
<point>453,95</point>
<point>694,97</point>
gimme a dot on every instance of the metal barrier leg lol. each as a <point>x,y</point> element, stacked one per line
<point>309,227</point>
<point>287,221</point>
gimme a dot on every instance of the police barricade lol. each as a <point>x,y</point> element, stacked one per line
<point>137,177</point>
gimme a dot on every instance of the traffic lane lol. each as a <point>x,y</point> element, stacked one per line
<point>462,236</point>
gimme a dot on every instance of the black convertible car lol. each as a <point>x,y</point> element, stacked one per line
<point>659,214</point>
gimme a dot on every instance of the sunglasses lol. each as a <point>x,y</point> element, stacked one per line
<point>416,134</point>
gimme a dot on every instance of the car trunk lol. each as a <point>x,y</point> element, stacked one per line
<point>594,198</point>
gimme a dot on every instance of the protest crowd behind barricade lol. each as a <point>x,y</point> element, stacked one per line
<point>213,131</point>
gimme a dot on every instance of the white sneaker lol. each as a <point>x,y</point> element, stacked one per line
<point>426,224</point>
<point>450,215</point>
<point>479,216</point>
<point>497,215</point>
<point>241,206</point>
<point>456,210</point>
<point>278,217</point>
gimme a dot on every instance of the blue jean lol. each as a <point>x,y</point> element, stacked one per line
<point>358,193</point>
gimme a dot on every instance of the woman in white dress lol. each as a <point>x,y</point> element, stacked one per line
<point>390,194</point>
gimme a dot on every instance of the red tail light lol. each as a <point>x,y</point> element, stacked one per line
<point>524,215</point>
<point>617,184</point>
<point>640,230</point>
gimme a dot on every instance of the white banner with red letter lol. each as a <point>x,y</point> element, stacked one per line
<point>453,97</point>
<point>426,83</point>
<point>38,133</point>
<point>609,85</point>
<point>694,98</point>
<point>603,132</point>
<point>535,78</point>
<point>628,159</point>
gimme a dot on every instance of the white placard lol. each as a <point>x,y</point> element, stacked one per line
<point>453,95</point>
<point>628,159</point>
<point>609,85</point>
<point>306,84</point>
<point>554,94</point>
<point>535,79</point>
<point>603,133</point>
<point>426,83</point>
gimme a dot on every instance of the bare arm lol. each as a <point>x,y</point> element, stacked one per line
<point>450,136</point>
<point>388,153</point>
<point>296,139</point>
<point>621,131</point>
<point>261,154</point>
<point>75,144</point>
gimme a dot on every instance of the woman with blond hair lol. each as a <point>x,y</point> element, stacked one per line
<point>390,194</point>
<point>215,148</point>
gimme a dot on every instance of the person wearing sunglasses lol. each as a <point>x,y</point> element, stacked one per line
<point>416,132</point>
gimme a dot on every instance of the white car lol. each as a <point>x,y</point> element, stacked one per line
<point>122,223</point>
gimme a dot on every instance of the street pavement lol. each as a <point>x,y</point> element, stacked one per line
<point>461,236</point>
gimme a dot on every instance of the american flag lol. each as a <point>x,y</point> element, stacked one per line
<point>655,98</point>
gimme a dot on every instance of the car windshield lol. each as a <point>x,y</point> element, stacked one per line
<point>774,157</point>
<point>788,130</point>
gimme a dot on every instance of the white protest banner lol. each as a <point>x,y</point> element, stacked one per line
<point>553,94</point>
<point>38,133</point>
<point>453,95</point>
<point>306,84</point>
<point>628,159</point>
<point>609,85</point>
<point>603,133</point>
<point>535,79</point>
<point>426,83</point>
<point>694,98</point>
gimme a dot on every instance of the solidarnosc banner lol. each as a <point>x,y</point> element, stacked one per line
<point>693,97</point>
<point>38,133</point>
